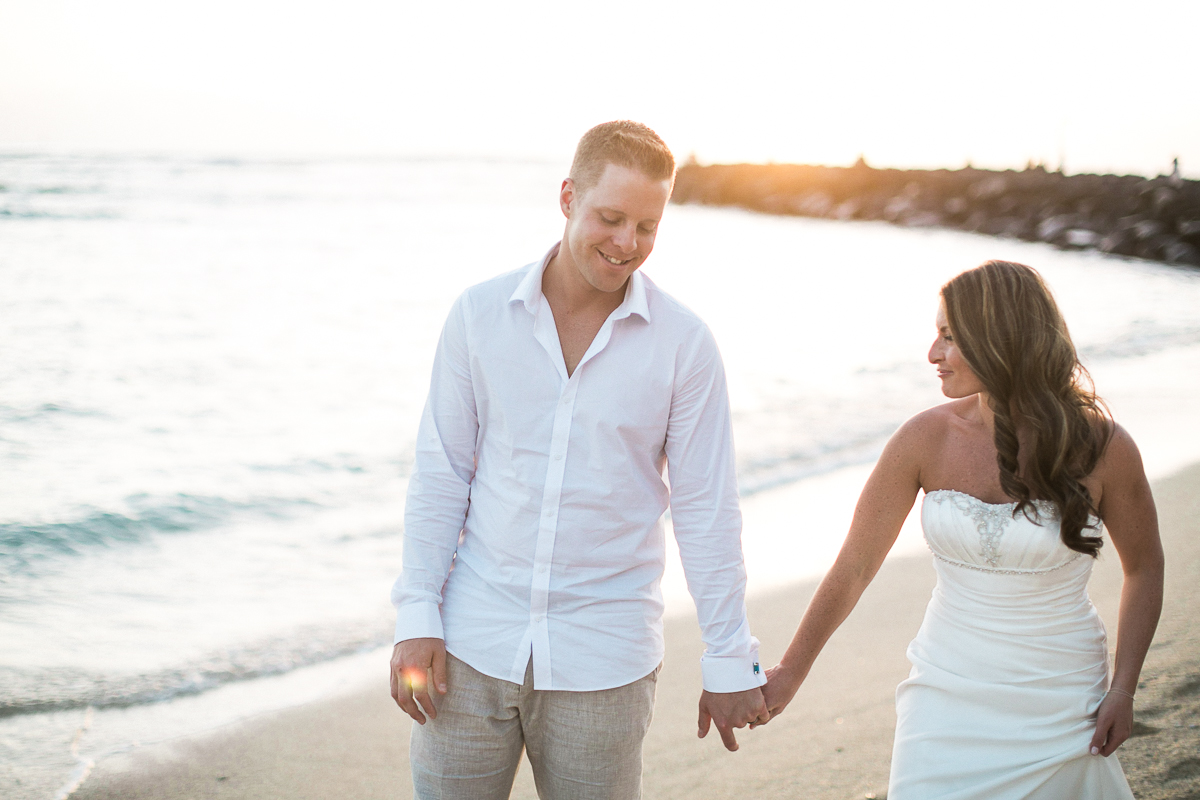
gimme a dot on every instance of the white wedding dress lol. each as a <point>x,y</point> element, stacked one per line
<point>1009,666</point>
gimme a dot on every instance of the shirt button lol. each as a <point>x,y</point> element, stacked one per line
<point>549,512</point>
<point>566,400</point>
<point>558,457</point>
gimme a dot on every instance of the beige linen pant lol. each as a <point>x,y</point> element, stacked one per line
<point>582,745</point>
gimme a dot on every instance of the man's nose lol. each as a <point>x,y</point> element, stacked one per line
<point>626,238</point>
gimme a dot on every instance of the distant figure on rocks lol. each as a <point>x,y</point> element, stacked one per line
<point>533,541</point>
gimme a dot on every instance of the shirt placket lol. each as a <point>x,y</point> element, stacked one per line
<point>547,532</point>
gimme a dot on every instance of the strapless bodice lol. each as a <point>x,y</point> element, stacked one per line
<point>963,530</point>
<point>1004,574</point>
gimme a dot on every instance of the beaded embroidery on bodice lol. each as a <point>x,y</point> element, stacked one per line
<point>1038,548</point>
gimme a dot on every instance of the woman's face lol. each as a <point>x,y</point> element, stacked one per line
<point>957,378</point>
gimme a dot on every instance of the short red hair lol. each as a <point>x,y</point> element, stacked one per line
<point>626,144</point>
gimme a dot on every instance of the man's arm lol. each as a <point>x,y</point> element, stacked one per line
<point>438,495</point>
<point>708,527</point>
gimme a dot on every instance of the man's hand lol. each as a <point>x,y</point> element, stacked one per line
<point>729,710</point>
<point>412,662</point>
<point>780,689</point>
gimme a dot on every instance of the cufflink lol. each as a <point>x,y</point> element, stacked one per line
<point>755,667</point>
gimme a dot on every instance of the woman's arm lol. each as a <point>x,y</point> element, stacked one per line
<point>1127,508</point>
<point>882,508</point>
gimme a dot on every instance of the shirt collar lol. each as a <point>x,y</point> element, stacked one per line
<point>529,290</point>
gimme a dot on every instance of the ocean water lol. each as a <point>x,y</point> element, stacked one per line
<point>212,372</point>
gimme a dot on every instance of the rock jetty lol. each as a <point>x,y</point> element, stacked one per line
<point>1151,218</point>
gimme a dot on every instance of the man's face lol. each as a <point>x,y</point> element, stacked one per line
<point>611,226</point>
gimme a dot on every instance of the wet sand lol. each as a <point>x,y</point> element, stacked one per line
<point>834,741</point>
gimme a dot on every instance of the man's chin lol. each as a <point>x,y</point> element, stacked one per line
<point>609,282</point>
<point>614,280</point>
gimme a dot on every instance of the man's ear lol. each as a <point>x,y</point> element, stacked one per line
<point>566,196</point>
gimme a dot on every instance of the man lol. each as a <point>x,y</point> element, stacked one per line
<point>533,546</point>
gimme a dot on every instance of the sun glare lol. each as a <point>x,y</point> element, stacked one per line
<point>935,84</point>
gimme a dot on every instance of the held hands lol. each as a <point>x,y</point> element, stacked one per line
<point>413,660</point>
<point>729,710</point>
<point>780,689</point>
<point>1114,724</point>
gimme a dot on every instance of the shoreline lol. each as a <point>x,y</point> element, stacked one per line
<point>1157,219</point>
<point>69,742</point>
<point>833,742</point>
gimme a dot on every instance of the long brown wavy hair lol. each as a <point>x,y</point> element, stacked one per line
<point>1012,335</point>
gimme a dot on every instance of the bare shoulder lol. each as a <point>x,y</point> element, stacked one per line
<point>1126,502</point>
<point>931,425</point>
<point>898,474</point>
<point>1121,460</point>
<point>916,443</point>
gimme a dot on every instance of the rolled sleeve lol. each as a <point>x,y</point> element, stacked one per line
<point>706,516</point>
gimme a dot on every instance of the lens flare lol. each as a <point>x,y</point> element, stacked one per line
<point>415,678</point>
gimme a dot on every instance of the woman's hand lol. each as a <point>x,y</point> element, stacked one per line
<point>1114,724</point>
<point>781,687</point>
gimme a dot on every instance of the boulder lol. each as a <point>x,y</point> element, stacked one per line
<point>1048,230</point>
<point>1080,237</point>
<point>1179,252</point>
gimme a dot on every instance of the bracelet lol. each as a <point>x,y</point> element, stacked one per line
<point>1119,691</point>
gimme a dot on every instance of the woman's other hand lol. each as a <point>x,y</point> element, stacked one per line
<point>1114,723</point>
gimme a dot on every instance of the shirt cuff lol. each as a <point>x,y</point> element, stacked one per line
<point>418,621</point>
<point>734,673</point>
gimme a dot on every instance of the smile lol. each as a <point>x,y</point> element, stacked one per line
<point>615,261</point>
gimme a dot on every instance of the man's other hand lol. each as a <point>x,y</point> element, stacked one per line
<point>413,661</point>
<point>729,710</point>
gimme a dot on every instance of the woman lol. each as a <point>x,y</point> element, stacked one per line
<point>1009,694</point>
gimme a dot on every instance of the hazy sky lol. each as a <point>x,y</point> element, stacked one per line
<point>1112,86</point>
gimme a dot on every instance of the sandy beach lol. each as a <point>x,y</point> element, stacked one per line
<point>834,741</point>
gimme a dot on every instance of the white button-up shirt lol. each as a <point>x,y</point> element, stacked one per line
<point>533,527</point>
